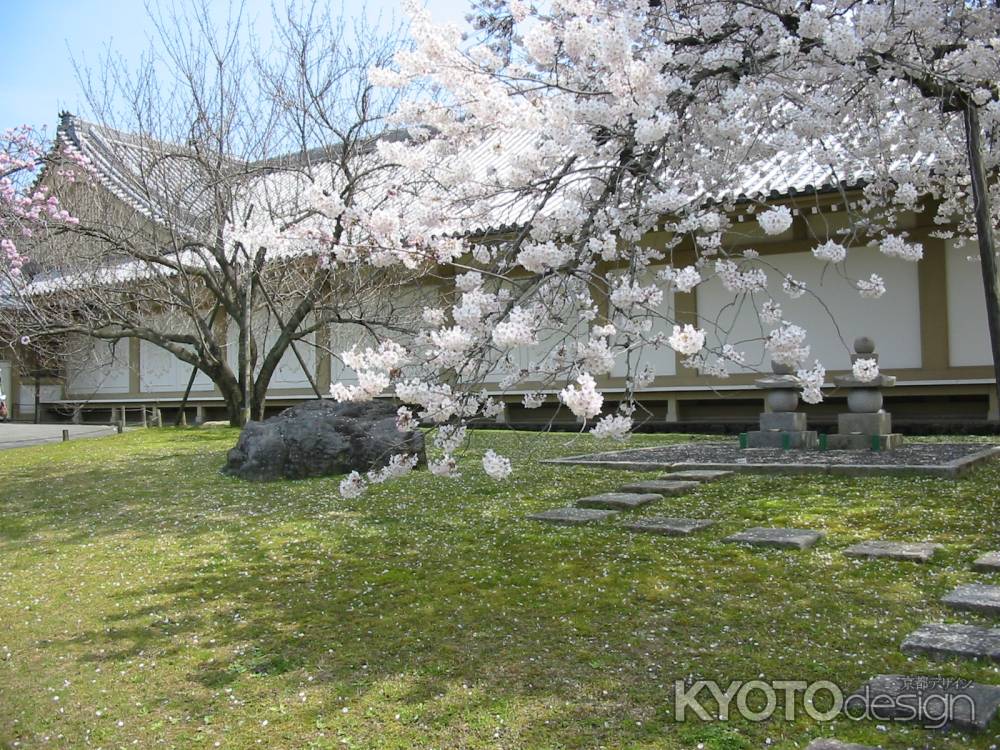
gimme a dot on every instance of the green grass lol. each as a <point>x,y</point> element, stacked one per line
<point>147,601</point>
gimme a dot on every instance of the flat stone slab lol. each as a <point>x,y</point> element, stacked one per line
<point>618,500</point>
<point>780,538</point>
<point>573,516</point>
<point>828,744</point>
<point>669,526</point>
<point>697,475</point>
<point>930,701</point>
<point>975,597</point>
<point>947,640</point>
<point>664,487</point>
<point>915,551</point>
<point>947,460</point>
<point>988,563</point>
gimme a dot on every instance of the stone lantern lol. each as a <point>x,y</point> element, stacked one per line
<point>866,426</point>
<point>781,426</point>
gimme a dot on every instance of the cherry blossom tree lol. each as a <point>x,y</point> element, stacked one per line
<point>25,207</point>
<point>533,163</point>
<point>619,118</point>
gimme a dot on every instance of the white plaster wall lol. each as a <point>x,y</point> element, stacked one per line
<point>160,371</point>
<point>288,373</point>
<point>26,397</point>
<point>893,320</point>
<point>968,331</point>
<point>96,368</point>
<point>342,338</point>
<point>661,359</point>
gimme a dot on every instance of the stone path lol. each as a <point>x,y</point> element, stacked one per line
<point>975,597</point>
<point>664,487</point>
<point>618,500</point>
<point>952,640</point>
<point>885,693</point>
<point>988,563</point>
<point>915,551</point>
<point>595,508</point>
<point>885,697</point>
<point>828,744</point>
<point>669,526</point>
<point>573,516</point>
<point>780,538</point>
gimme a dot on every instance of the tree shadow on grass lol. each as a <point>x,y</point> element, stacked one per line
<point>413,593</point>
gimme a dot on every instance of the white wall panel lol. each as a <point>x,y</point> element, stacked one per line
<point>893,320</point>
<point>968,331</point>
<point>26,397</point>
<point>160,371</point>
<point>95,368</point>
<point>661,359</point>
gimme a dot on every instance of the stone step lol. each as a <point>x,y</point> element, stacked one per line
<point>663,487</point>
<point>669,526</point>
<point>573,516</point>
<point>913,551</point>
<point>829,744</point>
<point>950,640</point>
<point>618,500</point>
<point>780,538</point>
<point>697,475</point>
<point>988,563</point>
<point>929,701</point>
<point>975,597</point>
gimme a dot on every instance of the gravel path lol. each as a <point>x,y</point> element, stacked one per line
<point>912,454</point>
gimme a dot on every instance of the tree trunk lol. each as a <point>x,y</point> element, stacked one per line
<point>984,232</point>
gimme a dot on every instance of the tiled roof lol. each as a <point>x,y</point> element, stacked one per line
<point>165,182</point>
<point>162,181</point>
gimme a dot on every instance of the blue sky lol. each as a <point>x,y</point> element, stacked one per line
<point>41,37</point>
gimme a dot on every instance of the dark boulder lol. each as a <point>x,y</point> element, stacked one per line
<point>320,438</point>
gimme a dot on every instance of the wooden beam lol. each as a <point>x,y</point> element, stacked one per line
<point>933,286</point>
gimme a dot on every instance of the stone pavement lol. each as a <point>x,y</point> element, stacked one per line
<point>17,435</point>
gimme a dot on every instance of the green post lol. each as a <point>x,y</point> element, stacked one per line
<point>743,440</point>
<point>876,443</point>
<point>822,441</point>
<point>786,441</point>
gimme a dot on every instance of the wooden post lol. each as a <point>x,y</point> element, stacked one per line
<point>65,436</point>
<point>672,410</point>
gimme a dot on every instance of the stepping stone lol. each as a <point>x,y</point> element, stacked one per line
<point>697,475</point>
<point>781,538</point>
<point>669,526</point>
<point>573,516</point>
<point>915,551</point>
<point>618,500</point>
<point>954,640</point>
<point>975,597</point>
<point>663,487</point>
<point>988,563</point>
<point>933,702</point>
<point>827,744</point>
